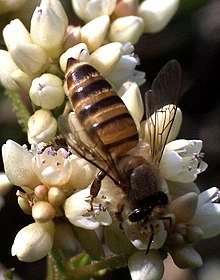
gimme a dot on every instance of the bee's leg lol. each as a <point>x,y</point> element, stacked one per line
<point>95,187</point>
<point>119,210</point>
<point>151,239</point>
<point>169,219</point>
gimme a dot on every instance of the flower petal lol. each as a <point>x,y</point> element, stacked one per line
<point>78,211</point>
<point>33,242</point>
<point>144,266</point>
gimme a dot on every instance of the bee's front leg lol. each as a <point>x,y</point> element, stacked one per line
<point>95,187</point>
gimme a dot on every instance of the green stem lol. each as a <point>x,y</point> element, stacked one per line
<point>113,262</point>
<point>56,265</point>
<point>57,268</point>
<point>19,108</point>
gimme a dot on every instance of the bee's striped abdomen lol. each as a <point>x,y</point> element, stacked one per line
<point>99,109</point>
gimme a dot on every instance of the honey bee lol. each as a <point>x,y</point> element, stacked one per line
<point>108,133</point>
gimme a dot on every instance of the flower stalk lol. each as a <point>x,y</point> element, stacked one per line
<point>20,109</point>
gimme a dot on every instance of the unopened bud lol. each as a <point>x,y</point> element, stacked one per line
<point>41,192</point>
<point>88,10</point>
<point>22,79</point>
<point>126,29</point>
<point>14,33</point>
<point>42,127</point>
<point>157,13</point>
<point>105,58</point>
<point>79,52</point>
<point>125,8</point>
<point>7,66</point>
<point>133,100</point>
<point>73,37</point>
<point>33,242</point>
<point>56,196</point>
<point>47,91</point>
<point>30,58</point>
<point>43,211</point>
<point>24,205</point>
<point>95,39</point>
<point>48,28</point>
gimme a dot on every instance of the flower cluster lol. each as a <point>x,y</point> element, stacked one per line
<point>55,182</point>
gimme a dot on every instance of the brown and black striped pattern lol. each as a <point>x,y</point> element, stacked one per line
<point>99,109</point>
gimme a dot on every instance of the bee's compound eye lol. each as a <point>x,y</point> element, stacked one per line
<point>137,215</point>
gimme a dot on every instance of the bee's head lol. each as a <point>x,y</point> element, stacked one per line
<point>153,208</point>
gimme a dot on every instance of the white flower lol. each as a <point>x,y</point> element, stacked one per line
<point>144,266</point>
<point>52,167</point>
<point>33,242</point>
<point>77,209</point>
<point>140,235</point>
<point>207,215</point>
<point>181,161</point>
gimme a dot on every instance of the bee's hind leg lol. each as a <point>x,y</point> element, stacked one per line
<point>96,186</point>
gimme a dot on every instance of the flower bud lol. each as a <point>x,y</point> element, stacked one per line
<point>16,33</point>
<point>42,127</point>
<point>187,201</point>
<point>79,52</point>
<point>125,8</point>
<point>47,91</point>
<point>56,196</point>
<point>22,79</point>
<point>144,266</point>
<point>48,27</point>
<point>24,205</point>
<point>133,100</point>
<point>157,13</point>
<point>57,8</point>
<point>186,257</point>
<point>17,162</point>
<point>7,66</point>
<point>30,58</point>
<point>41,192</point>
<point>105,58</point>
<point>88,10</point>
<point>73,37</point>
<point>126,29</point>
<point>95,39</point>
<point>33,242</point>
<point>10,6</point>
<point>43,211</point>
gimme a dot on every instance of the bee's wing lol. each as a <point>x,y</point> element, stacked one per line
<point>80,142</point>
<point>161,106</point>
